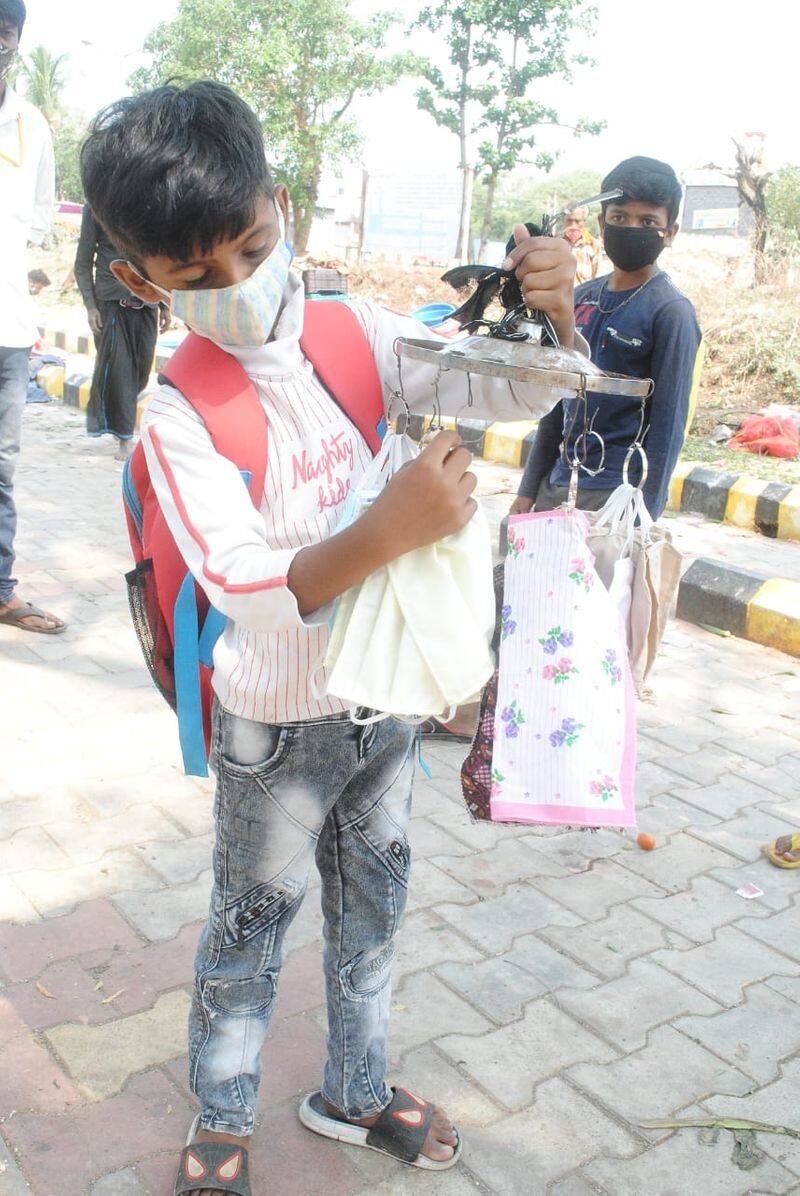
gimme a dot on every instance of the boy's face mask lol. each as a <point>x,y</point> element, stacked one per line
<point>632,249</point>
<point>243,314</point>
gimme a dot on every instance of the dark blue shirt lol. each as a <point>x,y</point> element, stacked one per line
<point>652,334</point>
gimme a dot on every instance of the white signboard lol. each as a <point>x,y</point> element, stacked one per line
<point>414,215</point>
<point>715,218</point>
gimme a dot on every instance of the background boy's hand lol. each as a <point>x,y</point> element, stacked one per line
<point>521,505</point>
<point>545,267</point>
<point>429,499</point>
<point>95,320</point>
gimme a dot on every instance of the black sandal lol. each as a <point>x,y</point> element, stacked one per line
<point>216,1165</point>
<point>399,1132</point>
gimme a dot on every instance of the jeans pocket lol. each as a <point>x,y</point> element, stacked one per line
<point>239,998</point>
<point>257,911</point>
<point>251,748</point>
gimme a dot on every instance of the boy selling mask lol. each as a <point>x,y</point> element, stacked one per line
<point>179,180</point>
<point>637,323</point>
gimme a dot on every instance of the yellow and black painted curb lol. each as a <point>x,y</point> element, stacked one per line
<point>734,601</point>
<point>771,508</point>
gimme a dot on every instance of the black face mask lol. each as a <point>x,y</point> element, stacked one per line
<point>632,249</point>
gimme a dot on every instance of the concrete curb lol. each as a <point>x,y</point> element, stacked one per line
<point>765,610</point>
<point>771,508</point>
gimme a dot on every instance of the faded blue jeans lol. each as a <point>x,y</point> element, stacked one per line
<point>285,795</point>
<point>13,390</point>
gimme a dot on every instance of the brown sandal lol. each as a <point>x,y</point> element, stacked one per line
<point>15,616</point>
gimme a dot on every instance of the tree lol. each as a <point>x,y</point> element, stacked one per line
<point>43,75</point>
<point>299,65</point>
<point>531,42</point>
<point>528,197</point>
<point>752,181</point>
<point>67,138</point>
<point>783,200</point>
<point>498,50</point>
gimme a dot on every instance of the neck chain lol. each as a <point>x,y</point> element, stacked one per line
<point>20,160</point>
<point>611,310</point>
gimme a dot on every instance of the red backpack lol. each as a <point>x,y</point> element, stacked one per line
<point>176,626</point>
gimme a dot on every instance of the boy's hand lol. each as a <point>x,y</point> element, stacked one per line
<point>521,505</point>
<point>429,499</point>
<point>545,267</point>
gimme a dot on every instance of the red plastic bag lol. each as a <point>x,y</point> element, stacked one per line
<point>770,437</point>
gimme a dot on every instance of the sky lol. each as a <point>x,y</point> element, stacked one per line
<point>674,80</point>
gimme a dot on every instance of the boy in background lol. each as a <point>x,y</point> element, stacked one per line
<point>637,323</point>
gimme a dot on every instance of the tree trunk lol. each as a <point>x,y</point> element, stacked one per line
<point>491,188</point>
<point>304,213</point>
<point>760,271</point>
<point>463,250</point>
<point>467,173</point>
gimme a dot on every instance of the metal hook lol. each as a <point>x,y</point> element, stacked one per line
<point>436,421</point>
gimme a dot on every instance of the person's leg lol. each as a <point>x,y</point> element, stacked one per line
<point>13,389</point>
<point>97,423</point>
<point>364,861</point>
<point>275,786</point>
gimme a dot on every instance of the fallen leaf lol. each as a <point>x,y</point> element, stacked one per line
<point>99,986</point>
<point>108,1000</point>
<point>44,992</point>
<point>720,1123</point>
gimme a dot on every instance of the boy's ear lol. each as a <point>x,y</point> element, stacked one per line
<point>671,234</point>
<point>283,202</point>
<point>124,272</point>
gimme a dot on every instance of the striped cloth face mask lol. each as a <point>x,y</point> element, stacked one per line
<point>243,314</point>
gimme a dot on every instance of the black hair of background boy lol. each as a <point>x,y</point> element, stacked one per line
<point>646,180</point>
<point>14,12</point>
<point>175,170</point>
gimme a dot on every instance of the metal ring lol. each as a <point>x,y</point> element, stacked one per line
<point>581,462</point>
<point>636,447</point>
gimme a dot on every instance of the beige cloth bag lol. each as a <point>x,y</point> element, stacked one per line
<point>641,567</point>
<point>413,640</point>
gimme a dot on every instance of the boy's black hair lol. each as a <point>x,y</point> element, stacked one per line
<point>39,278</point>
<point>175,170</point>
<point>646,180</point>
<point>15,12</point>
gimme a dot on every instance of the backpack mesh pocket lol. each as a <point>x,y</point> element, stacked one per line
<point>151,630</point>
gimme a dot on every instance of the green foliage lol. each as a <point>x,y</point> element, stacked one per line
<point>528,197</point>
<point>498,51</point>
<point>783,200</point>
<point>42,75</point>
<point>299,65</point>
<point>67,138</point>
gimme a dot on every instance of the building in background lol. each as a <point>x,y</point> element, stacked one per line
<point>711,206</point>
<point>413,217</point>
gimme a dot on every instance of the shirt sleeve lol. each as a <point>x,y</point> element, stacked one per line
<point>45,192</point>
<point>220,534</point>
<point>426,389</point>
<point>544,453</point>
<point>85,257</point>
<point>676,345</point>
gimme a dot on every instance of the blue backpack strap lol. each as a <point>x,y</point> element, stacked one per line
<point>187,681</point>
<point>193,648</point>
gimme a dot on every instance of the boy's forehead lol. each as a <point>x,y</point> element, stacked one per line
<point>638,207</point>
